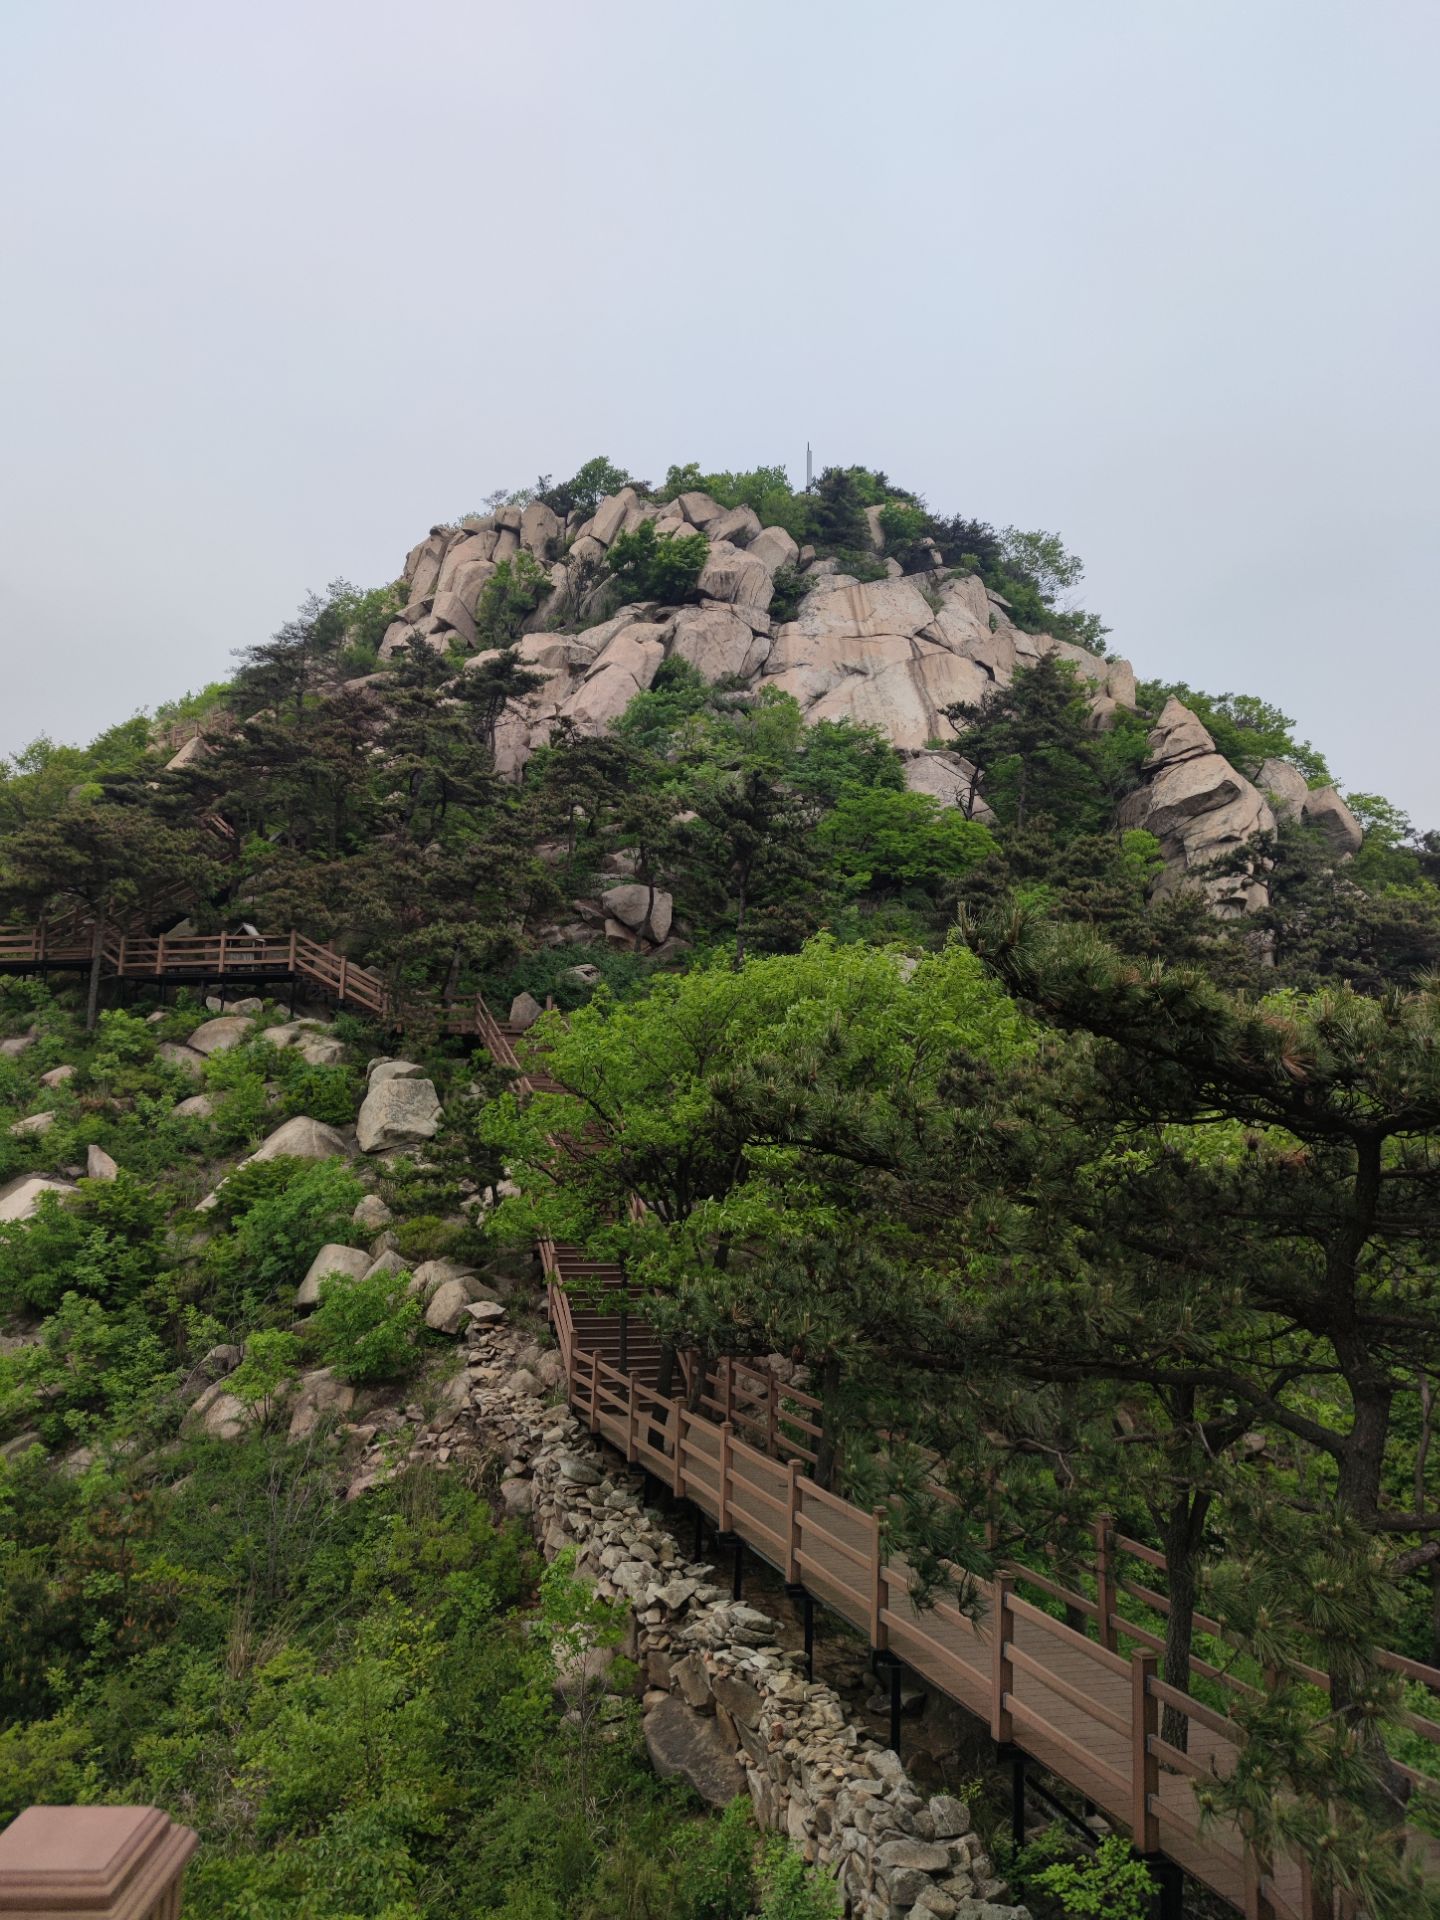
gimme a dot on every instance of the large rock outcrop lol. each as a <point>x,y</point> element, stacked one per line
<point>20,1199</point>
<point>896,654</point>
<point>397,1112</point>
<point>1202,812</point>
<point>893,654</point>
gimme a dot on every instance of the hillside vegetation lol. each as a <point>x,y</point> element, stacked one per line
<point>1096,1173</point>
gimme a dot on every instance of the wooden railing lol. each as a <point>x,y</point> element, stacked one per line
<point>217,957</point>
<point>1086,1712</point>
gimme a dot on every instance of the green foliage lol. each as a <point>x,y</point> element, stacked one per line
<point>646,565</point>
<point>792,1893</point>
<point>1111,1884</point>
<point>879,840</point>
<point>584,490</point>
<point>278,1234</point>
<point>94,1367</point>
<point>1038,755</point>
<point>788,588</point>
<point>902,522</point>
<point>652,719</point>
<point>107,1243</point>
<point>367,1329</point>
<point>508,598</point>
<point>1041,559</point>
<point>837,757</point>
<point>765,490</point>
<point>720,1881</point>
<point>270,1366</point>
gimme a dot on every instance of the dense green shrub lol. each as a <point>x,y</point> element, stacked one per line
<point>108,1243</point>
<point>277,1234</point>
<point>426,1236</point>
<point>270,1365</point>
<point>880,840</point>
<point>719,1883</point>
<point>1111,1884</point>
<point>657,566</point>
<point>788,588</point>
<point>93,1367</point>
<point>509,596</point>
<point>902,522</point>
<point>367,1329</point>
<point>792,1892</point>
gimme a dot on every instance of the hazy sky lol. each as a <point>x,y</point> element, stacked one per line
<point>285,283</point>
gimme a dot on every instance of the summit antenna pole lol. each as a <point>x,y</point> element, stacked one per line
<point>809,468</point>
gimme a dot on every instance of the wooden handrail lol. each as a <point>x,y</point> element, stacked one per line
<point>999,1667</point>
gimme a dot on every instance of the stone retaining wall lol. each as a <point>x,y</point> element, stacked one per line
<point>726,1706</point>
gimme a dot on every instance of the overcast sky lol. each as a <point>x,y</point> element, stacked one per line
<point>285,283</point>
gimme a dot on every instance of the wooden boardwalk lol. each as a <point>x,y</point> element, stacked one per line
<point>238,959</point>
<point>1077,1705</point>
<point>1089,1715</point>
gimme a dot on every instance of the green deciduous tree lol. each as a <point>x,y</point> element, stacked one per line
<point>646,565</point>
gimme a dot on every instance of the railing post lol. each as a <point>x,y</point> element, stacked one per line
<point>677,1455</point>
<point>120,959</point>
<point>1002,1671</point>
<point>293,945</point>
<point>594,1393</point>
<point>222,953</point>
<point>94,1860</point>
<point>1105,1579</point>
<point>630,1447</point>
<point>1144,1761</point>
<point>160,954</point>
<point>722,1524</point>
<point>792,1529</point>
<point>879,1586</point>
<point>1257,1904</point>
<point>727,1395</point>
<point>772,1425</point>
<point>344,977</point>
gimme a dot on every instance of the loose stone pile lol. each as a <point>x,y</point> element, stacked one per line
<point>726,1706</point>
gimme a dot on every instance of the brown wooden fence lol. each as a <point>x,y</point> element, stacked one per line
<point>1083,1710</point>
<point>201,958</point>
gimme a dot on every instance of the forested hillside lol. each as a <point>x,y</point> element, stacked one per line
<point>1041,1062</point>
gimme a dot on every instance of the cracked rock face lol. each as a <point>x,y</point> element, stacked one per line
<point>1201,811</point>
<point>889,653</point>
<point>892,654</point>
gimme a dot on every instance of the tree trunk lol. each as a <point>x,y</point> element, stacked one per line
<point>825,1446</point>
<point>699,1380</point>
<point>1184,1527</point>
<point>452,976</point>
<point>97,954</point>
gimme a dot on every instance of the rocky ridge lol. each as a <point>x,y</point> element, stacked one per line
<point>891,654</point>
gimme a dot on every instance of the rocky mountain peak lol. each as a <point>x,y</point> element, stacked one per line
<point>892,653</point>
